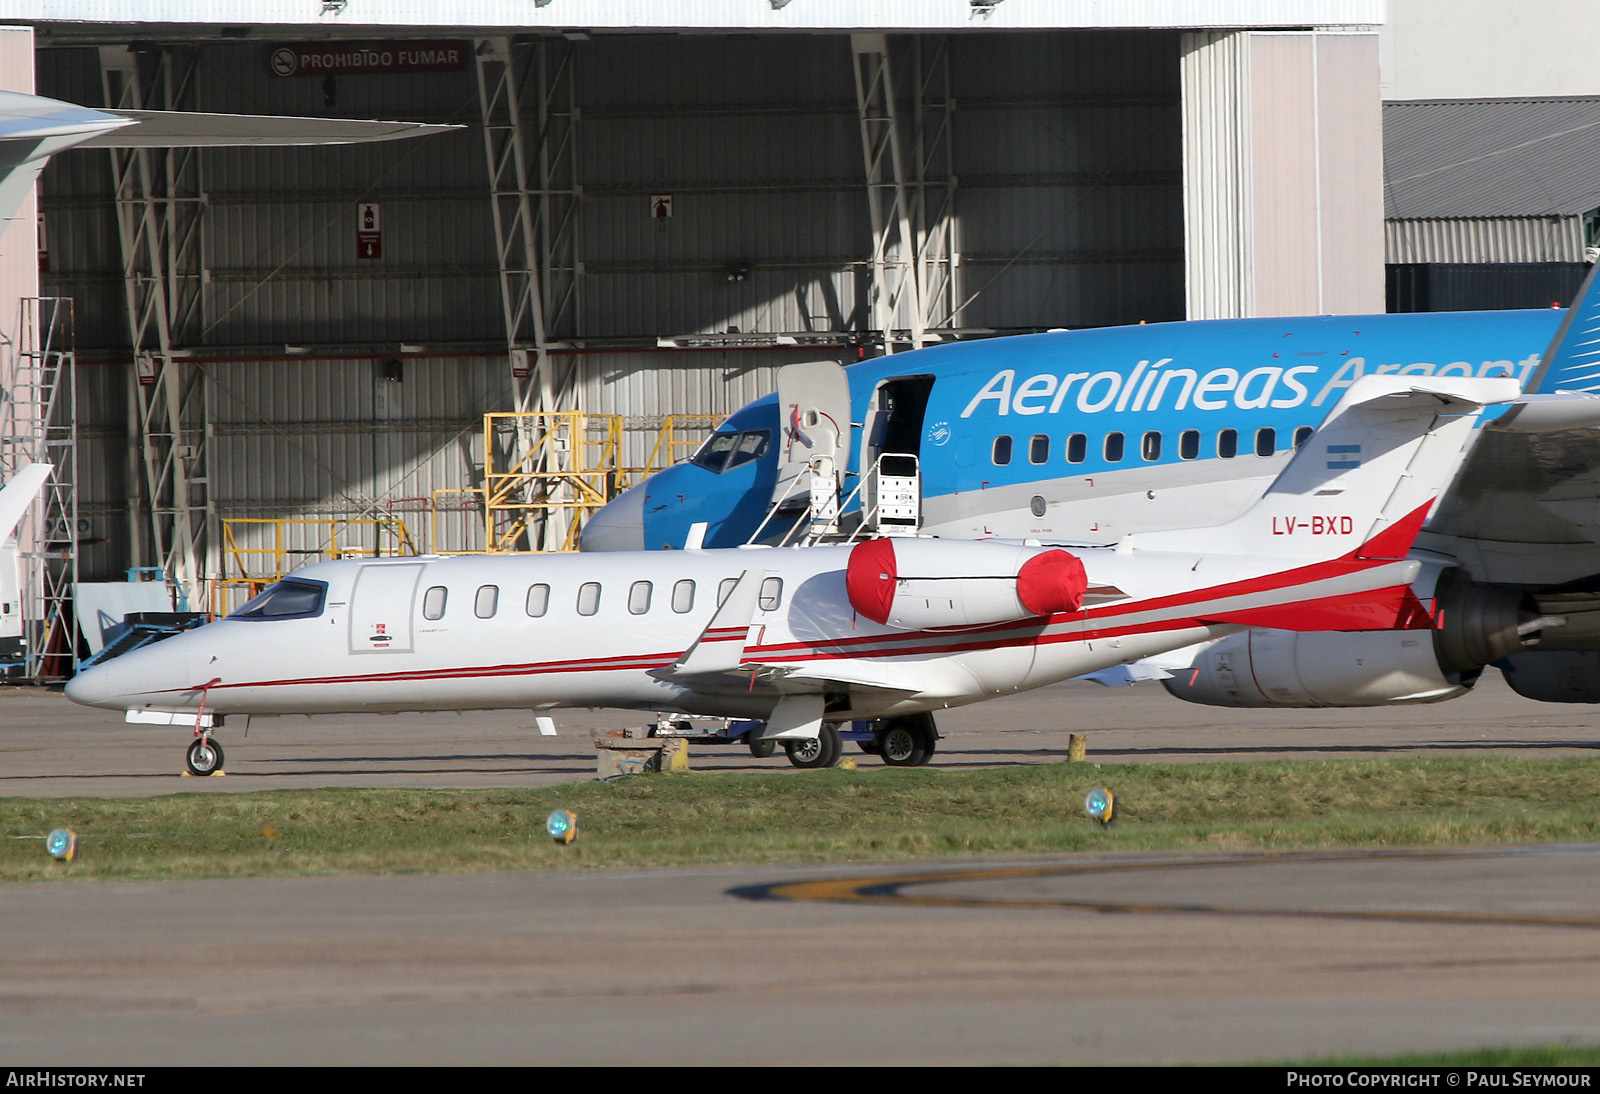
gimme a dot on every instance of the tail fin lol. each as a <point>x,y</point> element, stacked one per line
<point>1572,360</point>
<point>1364,482</point>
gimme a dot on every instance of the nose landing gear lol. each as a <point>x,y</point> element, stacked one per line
<point>204,756</point>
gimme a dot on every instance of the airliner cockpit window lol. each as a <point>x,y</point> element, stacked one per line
<point>286,600</point>
<point>752,443</point>
<point>724,451</point>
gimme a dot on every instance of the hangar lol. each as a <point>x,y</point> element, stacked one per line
<point>461,342</point>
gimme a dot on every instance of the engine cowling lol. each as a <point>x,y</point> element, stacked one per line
<point>1262,668</point>
<point>1555,676</point>
<point>920,584</point>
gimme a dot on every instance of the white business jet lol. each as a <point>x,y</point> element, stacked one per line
<point>804,639</point>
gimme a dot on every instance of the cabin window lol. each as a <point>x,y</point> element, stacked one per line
<point>295,599</point>
<point>588,598</point>
<point>1150,446</point>
<point>1113,448</point>
<point>1077,448</point>
<point>1001,453</point>
<point>1228,443</point>
<point>538,600</point>
<point>433,602</point>
<point>683,597</point>
<point>1302,435</point>
<point>725,590</point>
<point>487,602</point>
<point>1189,444</point>
<point>639,597</point>
<point>1266,441</point>
<point>771,594</point>
<point>1039,449</point>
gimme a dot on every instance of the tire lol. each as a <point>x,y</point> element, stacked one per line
<point>204,757</point>
<point>822,752</point>
<point>900,743</point>
<point>760,749</point>
<point>869,747</point>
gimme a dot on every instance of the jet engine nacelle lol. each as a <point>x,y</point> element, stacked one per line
<point>1261,668</point>
<point>916,584</point>
<point>1555,676</point>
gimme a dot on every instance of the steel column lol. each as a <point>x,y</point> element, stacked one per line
<point>160,201</point>
<point>896,291</point>
<point>536,234</point>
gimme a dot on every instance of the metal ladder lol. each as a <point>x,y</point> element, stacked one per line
<point>38,424</point>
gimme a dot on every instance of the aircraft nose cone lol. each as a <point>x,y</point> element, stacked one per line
<point>93,687</point>
<point>618,526</point>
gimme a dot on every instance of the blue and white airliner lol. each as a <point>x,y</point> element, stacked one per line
<point>1086,437</point>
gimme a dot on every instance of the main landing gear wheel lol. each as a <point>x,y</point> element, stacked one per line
<point>822,752</point>
<point>905,742</point>
<point>760,749</point>
<point>204,757</point>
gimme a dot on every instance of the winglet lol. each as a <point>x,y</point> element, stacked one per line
<point>721,645</point>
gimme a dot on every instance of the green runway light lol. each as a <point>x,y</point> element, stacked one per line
<point>562,826</point>
<point>62,844</point>
<point>1101,805</point>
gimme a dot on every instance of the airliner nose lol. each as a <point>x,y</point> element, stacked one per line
<point>618,526</point>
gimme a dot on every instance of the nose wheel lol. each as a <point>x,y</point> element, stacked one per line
<point>204,757</point>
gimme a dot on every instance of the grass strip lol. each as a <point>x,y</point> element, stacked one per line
<point>871,814</point>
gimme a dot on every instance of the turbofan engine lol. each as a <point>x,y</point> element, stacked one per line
<point>917,584</point>
<point>1475,624</point>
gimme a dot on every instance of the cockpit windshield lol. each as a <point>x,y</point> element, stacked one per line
<point>293,598</point>
<point>727,450</point>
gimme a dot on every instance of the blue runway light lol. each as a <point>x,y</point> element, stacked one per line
<point>1101,805</point>
<point>562,826</point>
<point>62,844</point>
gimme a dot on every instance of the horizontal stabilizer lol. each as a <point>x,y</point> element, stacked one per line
<point>1549,413</point>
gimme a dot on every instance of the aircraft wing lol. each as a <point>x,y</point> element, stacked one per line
<point>34,128</point>
<point>1532,478</point>
<point>173,129</point>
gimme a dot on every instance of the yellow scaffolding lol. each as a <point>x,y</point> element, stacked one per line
<point>569,468</point>
<point>678,432</point>
<point>252,568</point>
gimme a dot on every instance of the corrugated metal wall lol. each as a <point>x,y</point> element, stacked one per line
<point>1065,150</point>
<point>1485,239</point>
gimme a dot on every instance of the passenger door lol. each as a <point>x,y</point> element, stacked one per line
<point>382,607</point>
